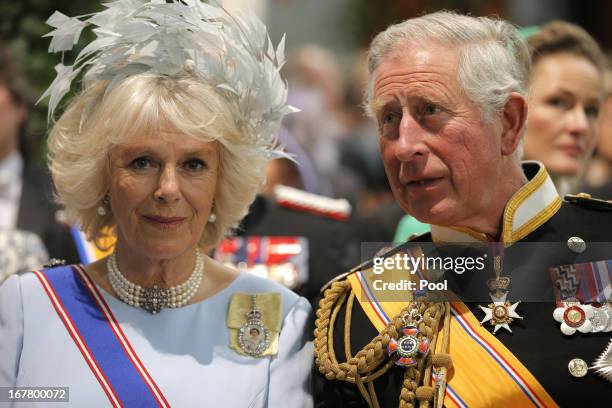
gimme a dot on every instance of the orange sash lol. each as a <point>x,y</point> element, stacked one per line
<point>484,374</point>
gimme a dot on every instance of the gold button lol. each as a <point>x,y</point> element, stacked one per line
<point>578,367</point>
<point>583,195</point>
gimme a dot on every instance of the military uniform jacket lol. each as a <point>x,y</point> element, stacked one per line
<point>537,227</point>
<point>331,246</point>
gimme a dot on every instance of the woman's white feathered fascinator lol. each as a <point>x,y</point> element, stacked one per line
<point>230,51</point>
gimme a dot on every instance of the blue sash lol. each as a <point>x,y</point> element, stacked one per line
<point>98,336</point>
<point>82,245</point>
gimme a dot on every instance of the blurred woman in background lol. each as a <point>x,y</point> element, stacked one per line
<point>564,101</point>
<point>598,175</point>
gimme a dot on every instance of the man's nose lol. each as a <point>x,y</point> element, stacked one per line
<point>410,145</point>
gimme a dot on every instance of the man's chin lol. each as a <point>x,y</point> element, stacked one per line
<point>434,214</point>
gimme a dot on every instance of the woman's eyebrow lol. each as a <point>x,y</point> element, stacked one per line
<point>135,151</point>
<point>206,151</point>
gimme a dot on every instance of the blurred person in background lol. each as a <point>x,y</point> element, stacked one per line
<point>598,175</point>
<point>296,171</point>
<point>20,251</point>
<point>25,188</point>
<point>359,152</point>
<point>564,100</point>
<point>316,229</point>
<point>316,88</point>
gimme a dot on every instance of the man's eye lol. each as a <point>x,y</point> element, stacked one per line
<point>430,109</point>
<point>141,163</point>
<point>389,118</point>
<point>194,165</point>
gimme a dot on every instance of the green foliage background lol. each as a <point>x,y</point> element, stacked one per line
<point>22,25</point>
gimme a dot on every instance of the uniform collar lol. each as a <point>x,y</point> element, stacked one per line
<point>530,207</point>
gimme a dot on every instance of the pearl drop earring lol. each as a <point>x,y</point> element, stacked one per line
<point>104,203</point>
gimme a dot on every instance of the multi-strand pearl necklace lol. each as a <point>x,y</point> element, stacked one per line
<point>154,299</point>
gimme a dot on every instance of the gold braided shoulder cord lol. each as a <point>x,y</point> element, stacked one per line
<point>372,361</point>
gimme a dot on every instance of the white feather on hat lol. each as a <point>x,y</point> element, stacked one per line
<point>229,51</point>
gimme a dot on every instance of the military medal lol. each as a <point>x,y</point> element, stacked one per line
<point>580,306</point>
<point>578,367</point>
<point>600,319</point>
<point>501,312</point>
<point>253,336</point>
<point>574,317</point>
<point>412,344</point>
<point>608,310</point>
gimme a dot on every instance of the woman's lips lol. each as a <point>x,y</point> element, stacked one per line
<point>164,223</point>
<point>572,150</point>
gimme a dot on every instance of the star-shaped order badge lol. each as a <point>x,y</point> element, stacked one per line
<point>574,317</point>
<point>603,364</point>
<point>500,313</point>
<point>409,346</point>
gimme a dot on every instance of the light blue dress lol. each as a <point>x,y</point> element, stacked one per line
<point>186,350</point>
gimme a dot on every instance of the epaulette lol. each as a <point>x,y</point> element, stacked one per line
<point>337,209</point>
<point>587,200</point>
<point>385,253</point>
<point>335,279</point>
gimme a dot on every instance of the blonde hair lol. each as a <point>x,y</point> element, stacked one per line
<point>95,121</point>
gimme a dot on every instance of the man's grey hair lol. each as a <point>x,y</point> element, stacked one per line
<point>493,58</point>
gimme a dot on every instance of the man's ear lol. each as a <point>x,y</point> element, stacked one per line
<point>513,119</point>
